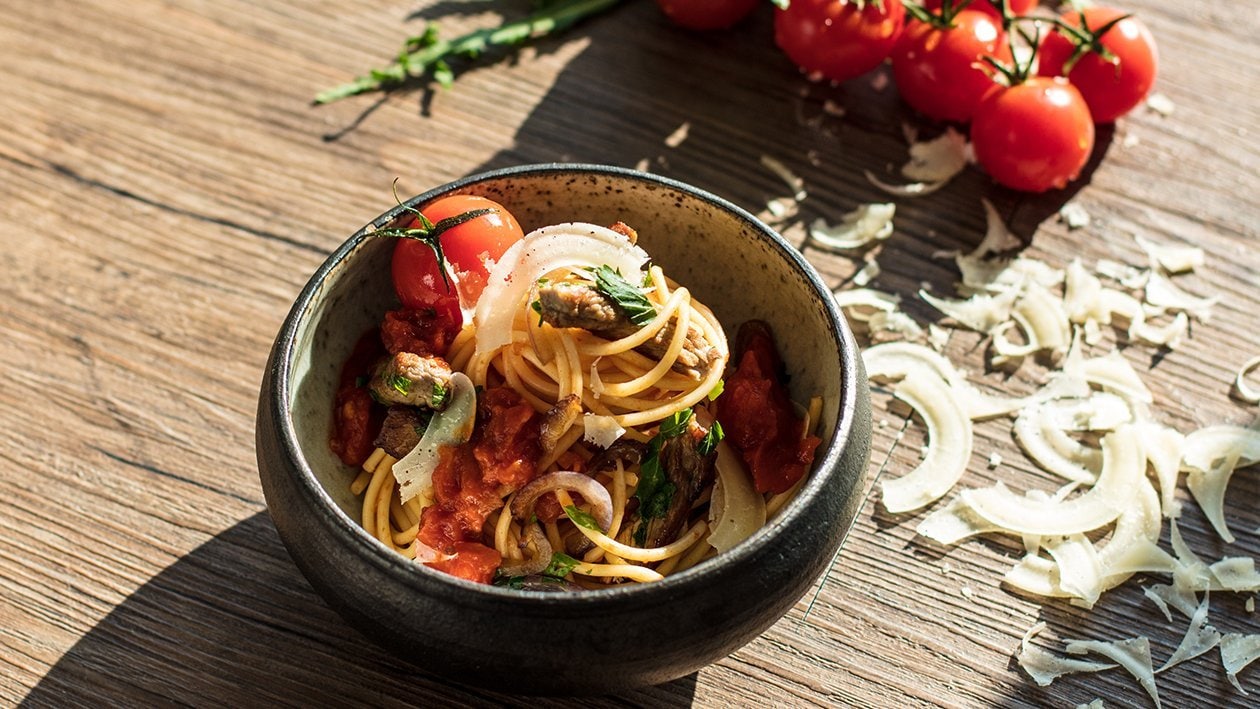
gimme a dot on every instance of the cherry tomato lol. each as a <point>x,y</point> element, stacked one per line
<point>1033,136</point>
<point>989,7</point>
<point>1110,89</point>
<point>707,14</point>
<point>838,39</point>
<point>417,278</point>
<point>938,69</point>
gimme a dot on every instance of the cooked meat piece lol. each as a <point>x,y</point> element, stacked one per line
<point>625,230</point>
<point>413,380</point>
<point>691,473</point>
<point>627,451</point>
<point>558,420</point>
<point>401,430</point>
<point>582,306</point>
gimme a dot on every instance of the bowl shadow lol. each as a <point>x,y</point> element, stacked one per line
<point>233,623</point>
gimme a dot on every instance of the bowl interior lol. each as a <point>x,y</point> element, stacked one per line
<point>727,259</point>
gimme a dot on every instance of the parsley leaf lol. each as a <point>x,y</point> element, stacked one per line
<point>582,518</point>
<point>709,443</point>
<point>717,390</point>
<point>440,395</point>
<point>631,300</point>
<point>560,566</point>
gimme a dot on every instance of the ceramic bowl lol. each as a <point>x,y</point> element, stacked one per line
<point>595,641</point>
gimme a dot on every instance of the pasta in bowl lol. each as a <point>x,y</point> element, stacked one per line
<point>605,452</point>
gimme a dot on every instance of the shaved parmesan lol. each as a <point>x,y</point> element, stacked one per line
<point>1125,274</point>
<point>939,159</point>
<point>865,301</point>
<point>1236,573</point>
<point>736,510</point>
<point>1208,487</point>
<point>1045,667</point>
<point>1241,390</point>
<point>1164,447</point>
<point>980,312</point>
<point>914,189</point>
<point>1133,655</point>
<point>1122,467</point>
<point>869,272</point>
<point>1161,293</point>
<point>1080,571</point>
<point>1170,258</point>
<point>1210,444</point>
<point>949,450</point>
<point>1238,651</point>
<point>602,431</point>
<point>1074,215</point>
<point>859,228</point>
<point>953,523</point>
<point>1199,638</point>
<point>896,323</point>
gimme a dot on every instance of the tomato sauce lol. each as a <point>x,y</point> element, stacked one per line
<point>758,417</point>
<point>469,478</point>
<point>419,331</point>
<point>356,417</point>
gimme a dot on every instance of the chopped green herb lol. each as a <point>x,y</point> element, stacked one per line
<point>440,395</point>
<point>536,306</point>
<point>629,299</point>
<point>708,444</point>
<point>561,565</point>
<point>398,383</point>
<point>582,518</point>
<point>516,582</point>
<point>717,390</point>
<point>675,425</point>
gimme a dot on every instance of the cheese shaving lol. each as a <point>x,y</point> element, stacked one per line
<point>1133,655</point>
<point>953,523</point>
<point>1171,258</point>
<point>1164,447</point>
<point>1199,638</point>
<point>1162,293</point>
<point>1122,467</point>
<point>1236,573</point>
<point>980,312</point>
<point>1208,487</point>
<point>1210,444</point>
<point>1045,667</point>
<point>939,159</point>
<point>1241,390</point>
<point>602,431</point>
<point>1238,651</point>
<point>1074,215</point>
<point>859,228</point>
<point>914,189</point>
<point>950,436</point>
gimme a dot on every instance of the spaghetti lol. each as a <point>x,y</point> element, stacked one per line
<point>568,437</point>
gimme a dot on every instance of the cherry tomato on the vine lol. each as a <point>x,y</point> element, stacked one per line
<point>707,14</point>
<point>838,39</point>
<point>989,7</point>
<point>1033,136</point>
<point>937,65</point>
<point>418,279</point>
<point>1111,89</point>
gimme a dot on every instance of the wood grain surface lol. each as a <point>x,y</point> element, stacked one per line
<point>166,188</point>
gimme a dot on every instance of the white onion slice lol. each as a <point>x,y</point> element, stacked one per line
<point>949,444</point>
<point>539,253</point>
<point>736,510</point>
<point>448,427</point>
<point>1123,466</point>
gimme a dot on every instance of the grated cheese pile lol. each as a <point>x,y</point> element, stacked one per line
<point>1089,425</point>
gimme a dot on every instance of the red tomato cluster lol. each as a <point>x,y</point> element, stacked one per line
<point>1030,133</point>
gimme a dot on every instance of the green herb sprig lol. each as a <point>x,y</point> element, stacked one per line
<point>426,55</point>
<point>631,300</point>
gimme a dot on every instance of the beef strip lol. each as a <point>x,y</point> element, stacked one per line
<point>580,305</point>
<point>401,430</point>
<point>691,473</point>
<point>413,380</point>
<point>558,420</point>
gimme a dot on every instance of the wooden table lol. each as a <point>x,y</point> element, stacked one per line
<point>167,188</point>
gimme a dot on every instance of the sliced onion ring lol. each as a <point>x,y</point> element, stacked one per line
<point>534,564</point>
<point>589,488</point>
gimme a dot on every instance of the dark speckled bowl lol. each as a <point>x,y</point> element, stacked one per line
<point>596,641</point>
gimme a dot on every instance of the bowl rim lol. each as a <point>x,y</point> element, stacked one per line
<point>449,588</point>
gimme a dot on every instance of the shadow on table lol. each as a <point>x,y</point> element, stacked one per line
<point>233,623</point>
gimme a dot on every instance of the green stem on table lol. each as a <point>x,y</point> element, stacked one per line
<point>426,54</point>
